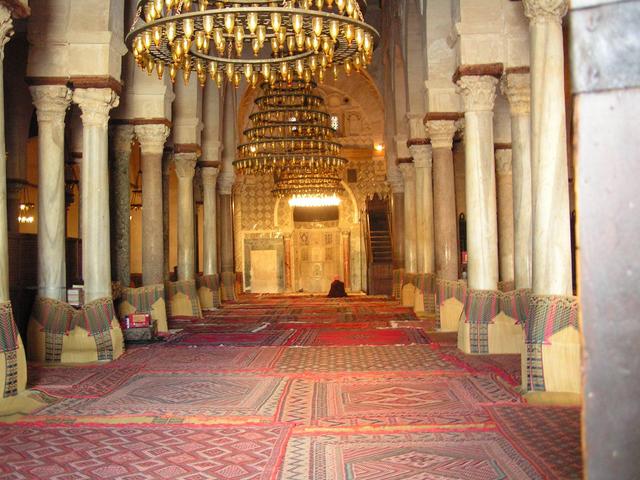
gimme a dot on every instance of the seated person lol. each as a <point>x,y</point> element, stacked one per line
<point>337,288</point>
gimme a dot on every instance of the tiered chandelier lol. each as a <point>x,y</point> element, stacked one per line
<point>260,40</point>
<point>291,136</point>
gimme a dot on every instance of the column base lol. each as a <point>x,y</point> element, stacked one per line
<point>209,291</point>
<point>552,360</point>
<point>13,362</point>
<point>396,286</point>
<point>229,287</point>
<point>424,300</point>
<point>148,299</point>
<point>449,304</point>
<point>408,290</point>
<point>58,333</point>
<point>485,329</point>
<point>183,299</point>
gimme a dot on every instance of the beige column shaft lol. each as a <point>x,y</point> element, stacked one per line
<point>226,233</point>
<point>346,258</point>
<point>51,102</point>
<point>226,181</point>
<point>504,187</point>
<point>6,30</point>
<point>210,231</point>
<point>517,89</point>
<point>185,170</point>
<point>478,94</point>
<point>422,158</point>
<point>549,175</point>
<point>120,201</point>
<point>441,133</point>
<point>408,174</point>
<point>396,182</point>
<point>152,138</point>
<point>95,104</point>
<point>167,162</point>
<point>288,278</point>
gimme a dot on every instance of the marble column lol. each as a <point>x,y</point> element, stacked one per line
<point>516,87</point>
<point>6,30</point>
<point>478,94</point>
<point>210,231</point>
<point>185,170</point>
<point>409,176</point>
<point>441,133</point>
<point>152,138</point>
<point>288,278</point>
<point>51,102</point>
<point>167,161</point>
<point>422,158</point>
<point>226,231</point>
<point>549,175</point>
<point>397,217</point>
<point>504,188</point>
<point>14,189</point>
<point>120,199</point>
<point>95,104</point>
<point>346,258</point>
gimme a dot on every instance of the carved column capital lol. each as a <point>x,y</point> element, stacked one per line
<point>152,137</point>
<point>95,104</point>
<point>416,126</point>
<point>408,172</point>
<point>6,28</point>
<point>51,102</point>
<point>209,175</point>
<point>422,155</point>
<point>185,165</point>
<point>226,180</point>
<point>441,133</point>
<point>478,93</point>
<point>517,88</point>
<point>545,10</point>
<point>121,137</point>
<point>503,161</point>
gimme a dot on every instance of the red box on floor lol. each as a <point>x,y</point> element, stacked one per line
<point>136,320</point>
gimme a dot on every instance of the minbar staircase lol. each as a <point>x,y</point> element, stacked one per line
<point>380,254</point>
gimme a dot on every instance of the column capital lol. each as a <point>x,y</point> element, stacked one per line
<point>6,28</point>
<point>95,104</point>
<point>422,155</point>
<point>185,165</point>
<point>408,171</point>
<point>345,232</point>
<point>503,161</point>
<point>517,88</point>
<point>209,175</point>
<point>478,92</point>
<point>441,133</point>
<point>152,137</point>
<point>545,10</point>
<point>416,126</point>
<point>121,137</point>
<point>226,180</point>
<point>51,102</point>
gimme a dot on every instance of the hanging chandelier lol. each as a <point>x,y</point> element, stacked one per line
<point>291,136</point>
<point>26,207</point>
<point>260,40</point>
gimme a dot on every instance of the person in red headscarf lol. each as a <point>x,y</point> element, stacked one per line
<point>337,288</point>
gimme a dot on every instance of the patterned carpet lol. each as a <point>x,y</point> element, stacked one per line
<point>291,388</point>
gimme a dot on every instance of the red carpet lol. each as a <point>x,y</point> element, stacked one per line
<point>292,387</point>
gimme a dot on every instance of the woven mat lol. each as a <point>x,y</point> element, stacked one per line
<point>259,339</point>
<point>548,436</point>
<point>468,455</point>
<point>326,336</point>
<point>142,452</point>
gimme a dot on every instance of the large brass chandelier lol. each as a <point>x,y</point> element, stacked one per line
<point>291,136</point>
<point>260,40</point>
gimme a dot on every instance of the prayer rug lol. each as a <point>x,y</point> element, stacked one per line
<point>469,455</point>
<point>258,339</point>
<point>79,382</point>
<point>181,395</point>
<point>389,400</point>
<point>363,359</point>
<point>351,326</point>
<point>331,336</point>
<point>548,436</point>
<point>149,452</point>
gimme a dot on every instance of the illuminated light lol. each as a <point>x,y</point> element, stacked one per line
<point>378,147</point>
<point>314,201</point>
